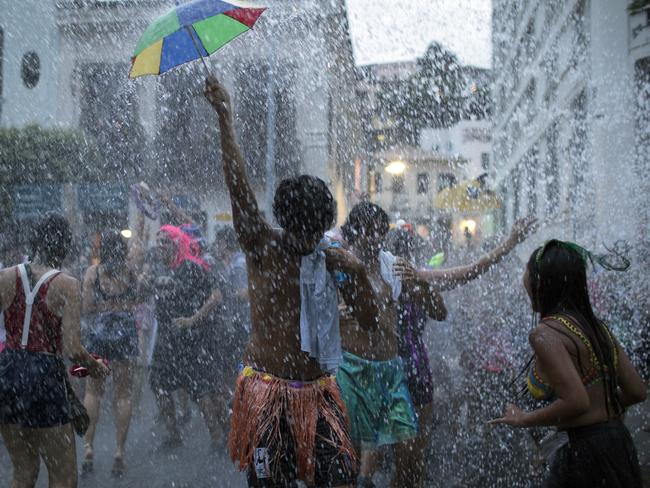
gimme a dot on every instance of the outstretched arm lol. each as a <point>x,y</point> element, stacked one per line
<point>447,279</point>
<point>422,293</point>
<point>251,228</point>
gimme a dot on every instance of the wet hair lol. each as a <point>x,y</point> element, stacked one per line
<point>558,280</point>
<point>226,240</point>
<point>366,216</point>
<point>51,239</point>
<point>401,243</point>
<point>113,251</point>
<point>304,205</point>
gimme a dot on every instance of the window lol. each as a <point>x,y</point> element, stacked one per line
<point>446,180</point>
<point>379,182</point>
<point>485,161</point>
<point>423,183</point>
<point>2,39</point>
<point>31,69</point>
<point>398,184</point>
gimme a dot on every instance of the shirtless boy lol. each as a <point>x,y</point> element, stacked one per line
<point>288,422</point>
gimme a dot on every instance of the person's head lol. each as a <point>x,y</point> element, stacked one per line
<point>305,209</point>
<point>113,251</point>
<point>174,247</point>
<point>225,242</point>
<point>196,235</point>
<point>366,227</point>
<point>402,243</point>
<point>556,279</point>
<point>51,240</point>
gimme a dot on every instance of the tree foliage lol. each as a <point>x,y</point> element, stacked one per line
<point>436,95</point>
<point>33,155</point>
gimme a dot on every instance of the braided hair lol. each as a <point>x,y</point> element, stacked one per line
<point>558,281</point>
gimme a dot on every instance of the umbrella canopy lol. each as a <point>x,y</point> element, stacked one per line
<point>189,31</point>
<point>467,196</point>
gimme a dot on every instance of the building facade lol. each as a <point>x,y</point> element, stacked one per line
<point>570,100</point>
<point>65,65</point>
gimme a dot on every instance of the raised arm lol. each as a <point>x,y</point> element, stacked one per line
<point>251,228</point>
<point>447,279</point>
<point>180,215</point>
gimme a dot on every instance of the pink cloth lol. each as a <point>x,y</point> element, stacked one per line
<point>186,247</point>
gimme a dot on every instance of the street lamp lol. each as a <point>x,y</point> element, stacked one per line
<point>395,168</point>
<point>126,233</point>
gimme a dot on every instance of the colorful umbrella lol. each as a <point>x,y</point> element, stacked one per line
<point>189,31</point>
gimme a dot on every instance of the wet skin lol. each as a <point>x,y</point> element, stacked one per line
<point>558,360</point>
<point>379,344</point>
<point>273,258</point>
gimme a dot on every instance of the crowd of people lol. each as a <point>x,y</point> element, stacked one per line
<point>319,329</point>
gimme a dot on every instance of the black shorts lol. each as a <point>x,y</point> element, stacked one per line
<point>331,467</point>
<point>113,336</point>
<point>33,391</point>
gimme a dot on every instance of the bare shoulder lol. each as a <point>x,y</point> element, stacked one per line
<point>543,336</point>
<point>67,284</point>
<point>7,273</point>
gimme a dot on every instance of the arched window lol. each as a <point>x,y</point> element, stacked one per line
<point>31,69</point>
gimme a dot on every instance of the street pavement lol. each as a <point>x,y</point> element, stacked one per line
<point>194,465</point>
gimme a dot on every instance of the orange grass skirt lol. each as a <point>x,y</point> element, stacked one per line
<point>262,401</point>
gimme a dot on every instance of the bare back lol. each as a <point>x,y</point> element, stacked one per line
<point>274,290</point>
<point>582,362</point>
<point>56,295</point>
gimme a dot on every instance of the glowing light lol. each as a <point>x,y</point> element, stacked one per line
<point>381,137</point>
<point>126,233</point>
<point>468,224</point>
<point>396,167</point>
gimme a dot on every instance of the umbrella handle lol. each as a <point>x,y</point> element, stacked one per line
<point>190,30</point>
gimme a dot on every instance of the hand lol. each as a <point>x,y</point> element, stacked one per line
<point>404,271</point>
<point>183,322</point>
<point>512,415</point>
<point>217,95</point>
<point>339,259</point>
<point>98,369</point>
<point>522,229</point>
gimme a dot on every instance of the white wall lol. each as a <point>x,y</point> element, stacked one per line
<point>565,63</point>
<point>29,25</point>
